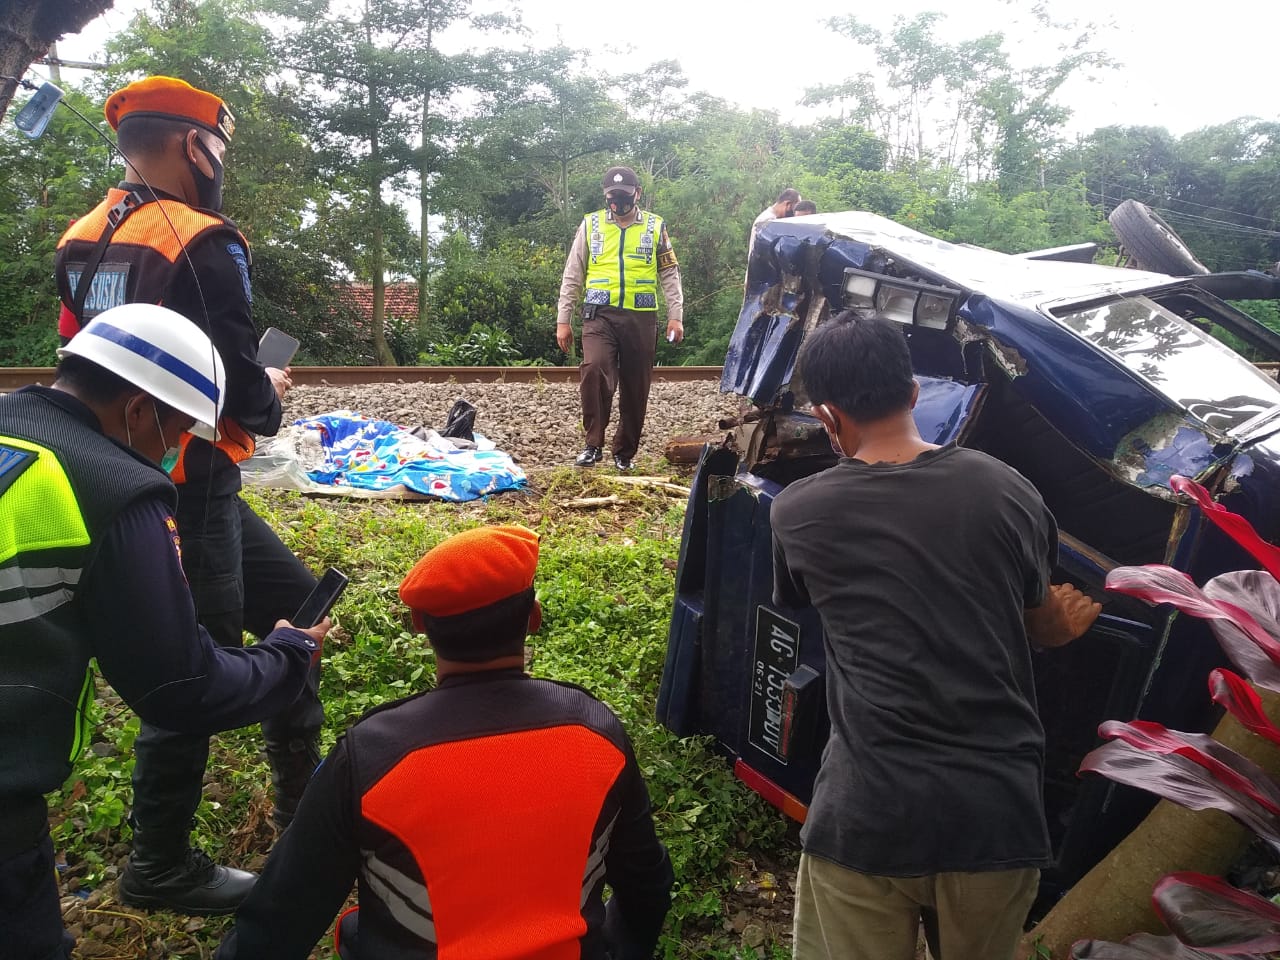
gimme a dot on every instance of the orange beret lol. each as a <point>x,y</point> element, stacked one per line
<point>471,570</point>
<point>170,97</point>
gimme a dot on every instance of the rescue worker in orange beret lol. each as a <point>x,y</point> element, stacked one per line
<point>483,817</point>
<point>159,238</point>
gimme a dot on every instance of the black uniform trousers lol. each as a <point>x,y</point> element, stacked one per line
<point>618,347</point>
<point>31,921</point>
<point>242,578</point>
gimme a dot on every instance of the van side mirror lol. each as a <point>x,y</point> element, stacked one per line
<point>38,111</point>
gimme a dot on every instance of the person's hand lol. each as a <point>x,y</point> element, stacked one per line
<point>675,331</point>
<point>564,336</point>
<point>316,633</point>
<point>280,379</point>
<point>1078,610</point>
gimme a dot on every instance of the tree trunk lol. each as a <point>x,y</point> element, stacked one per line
<point>377,243</point>
<point>1113,899</point>
<point>424,207</point>
<point>27,27</point>
<point>424,196</point>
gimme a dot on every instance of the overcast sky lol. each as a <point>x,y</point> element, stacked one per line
<point>1179,65</point>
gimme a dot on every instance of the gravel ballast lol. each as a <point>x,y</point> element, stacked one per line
<point>539,424</point>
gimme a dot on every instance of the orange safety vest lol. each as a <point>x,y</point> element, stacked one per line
<point>142,260</point>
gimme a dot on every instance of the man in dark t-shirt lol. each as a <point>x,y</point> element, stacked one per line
<point>929,567</point>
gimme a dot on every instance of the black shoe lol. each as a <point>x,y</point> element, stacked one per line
<point>192,885</point>
<point>589,457</point>
<point>621,462</point>
<point>292,764</point>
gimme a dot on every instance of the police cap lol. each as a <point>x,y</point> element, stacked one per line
<point>621,178</point>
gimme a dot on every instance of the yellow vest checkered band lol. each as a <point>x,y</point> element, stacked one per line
<point>44,491</point>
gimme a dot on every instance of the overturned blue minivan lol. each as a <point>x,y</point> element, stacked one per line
<point>1097,383</point>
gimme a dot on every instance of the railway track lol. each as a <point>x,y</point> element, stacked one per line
<point>11,378</point>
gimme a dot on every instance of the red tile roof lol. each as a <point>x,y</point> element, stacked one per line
<point>401,300</point>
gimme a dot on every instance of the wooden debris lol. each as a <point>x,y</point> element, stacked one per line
<point>686,449</point>
<point>591,503</point>
<point>657,483</point>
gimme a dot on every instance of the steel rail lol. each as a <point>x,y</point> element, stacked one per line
<point>11,378</point>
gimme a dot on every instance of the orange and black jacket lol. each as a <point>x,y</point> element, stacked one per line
<point>481,821</point>
<point>145,263</point>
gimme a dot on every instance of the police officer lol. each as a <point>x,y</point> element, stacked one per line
<point>158,238</point>
<point>621,255</point>
<point>482,818</point>
<point>89,568</point>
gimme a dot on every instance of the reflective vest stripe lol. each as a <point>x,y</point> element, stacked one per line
<point>84,724</point>
<point>32,608</point>
<point>38,578</point>
<point>405,898</point>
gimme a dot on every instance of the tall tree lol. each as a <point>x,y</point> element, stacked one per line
<point>528,167</point>
<point>959,104</point>
<point>382,90</point>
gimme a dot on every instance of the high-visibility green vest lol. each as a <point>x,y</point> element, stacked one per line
<point>62,484</point>
<point>622,263</point>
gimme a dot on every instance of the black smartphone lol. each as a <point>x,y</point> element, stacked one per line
<point>316,607</point>
<point>276,348</point>
<point>38,111</point>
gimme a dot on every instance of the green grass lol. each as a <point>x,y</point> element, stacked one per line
<point>605,581</point>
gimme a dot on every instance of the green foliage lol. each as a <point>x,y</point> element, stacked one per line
<point>299,291</point>
<point>606,594</point>
<point>498,303</point>
<point>482,346</point>
<point>47,183</point>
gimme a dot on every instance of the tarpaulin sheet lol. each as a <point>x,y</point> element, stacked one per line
<point>350,453</point>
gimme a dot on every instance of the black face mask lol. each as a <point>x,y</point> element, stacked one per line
<point>208,189</point>
<point>620,202</point>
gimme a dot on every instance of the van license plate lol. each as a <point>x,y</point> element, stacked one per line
<point>776,656</point>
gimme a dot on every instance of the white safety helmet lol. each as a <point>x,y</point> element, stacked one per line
<point>159,351</point>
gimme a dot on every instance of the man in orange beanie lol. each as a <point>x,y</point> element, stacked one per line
<point>482,818</point>
<point>159,237</point>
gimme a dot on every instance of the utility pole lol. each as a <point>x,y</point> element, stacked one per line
<point>55,65</point>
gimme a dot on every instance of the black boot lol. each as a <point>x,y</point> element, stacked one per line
<point>292,764</point>
<point>165,872</point>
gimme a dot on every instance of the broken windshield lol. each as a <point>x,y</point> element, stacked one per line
<point>1185,364</point>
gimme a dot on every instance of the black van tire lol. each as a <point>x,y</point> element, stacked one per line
<point>1152,242</point>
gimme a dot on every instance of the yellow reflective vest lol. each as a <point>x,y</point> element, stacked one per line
<point>622,262</point>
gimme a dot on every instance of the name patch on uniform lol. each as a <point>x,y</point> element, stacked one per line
<point>108,288</point>
<point>242,263</point>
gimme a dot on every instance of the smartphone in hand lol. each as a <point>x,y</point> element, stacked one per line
<point>321,600</point>
<point>276,348</point>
